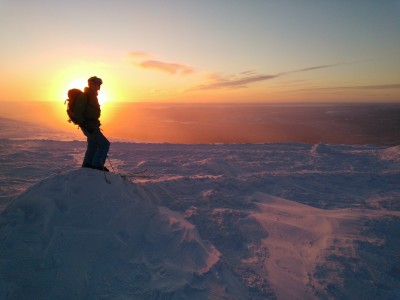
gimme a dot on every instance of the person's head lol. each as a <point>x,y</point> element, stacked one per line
<point>95,83</point>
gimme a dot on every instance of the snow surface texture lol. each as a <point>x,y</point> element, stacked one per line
<point>273,221</point>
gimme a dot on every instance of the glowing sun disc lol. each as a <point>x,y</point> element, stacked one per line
<point>81,83</point>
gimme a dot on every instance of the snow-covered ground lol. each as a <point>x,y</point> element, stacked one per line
<point>267,221</point>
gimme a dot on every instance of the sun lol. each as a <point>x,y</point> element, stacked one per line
<point>81,83</point>
<point>102,96</point>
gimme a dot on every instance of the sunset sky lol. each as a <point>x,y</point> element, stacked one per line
<point>202,51</point>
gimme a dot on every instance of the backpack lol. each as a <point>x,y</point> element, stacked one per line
<point>73,94</point>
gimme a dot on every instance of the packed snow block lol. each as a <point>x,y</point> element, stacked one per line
<point>72,236</point>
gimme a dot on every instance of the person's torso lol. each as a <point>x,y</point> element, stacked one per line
<point>92,110</point>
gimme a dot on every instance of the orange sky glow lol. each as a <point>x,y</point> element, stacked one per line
<point>200,51</point>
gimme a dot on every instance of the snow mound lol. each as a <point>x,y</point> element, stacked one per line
<point>73,236</point>
<point>392,153</point>
<point>321,149</point>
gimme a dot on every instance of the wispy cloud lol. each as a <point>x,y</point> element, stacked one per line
<point>234,83</point>
<point>242,79</point>
<point>249,72</point>
<point>171,68</point>
<point>382,86</point>
<point>315,68</point>
<point>357,87</point>
<point>146,60</point>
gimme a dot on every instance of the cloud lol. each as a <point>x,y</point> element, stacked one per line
<point>378,87</point>
<point>358,87</point>
<point>249,72</point>
<point>234,83</point>
<point>247,77</point>
<point>146,60</point>
<point>315,68</point>
<point>171,68</point>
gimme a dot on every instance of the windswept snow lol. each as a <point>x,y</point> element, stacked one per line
<point>268,221</point>
<point>302,238</point>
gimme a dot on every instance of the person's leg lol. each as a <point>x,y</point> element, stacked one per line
<point>100,155</point>
<point>90,150</point>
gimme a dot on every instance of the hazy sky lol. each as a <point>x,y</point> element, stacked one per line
<point>187,50</point>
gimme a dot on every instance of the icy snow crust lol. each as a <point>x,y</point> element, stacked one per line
<point>273,221</point>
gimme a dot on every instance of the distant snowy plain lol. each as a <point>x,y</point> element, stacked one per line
<point>249,221</point>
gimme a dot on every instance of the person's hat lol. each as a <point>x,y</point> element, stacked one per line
<point>95,80</point>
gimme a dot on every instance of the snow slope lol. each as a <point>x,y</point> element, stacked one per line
<point>70,238</point>
<point>271,221</point>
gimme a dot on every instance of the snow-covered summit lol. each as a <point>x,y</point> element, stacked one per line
<point>73,236</point>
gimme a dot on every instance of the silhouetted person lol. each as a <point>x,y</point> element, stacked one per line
<point>87,113</point>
